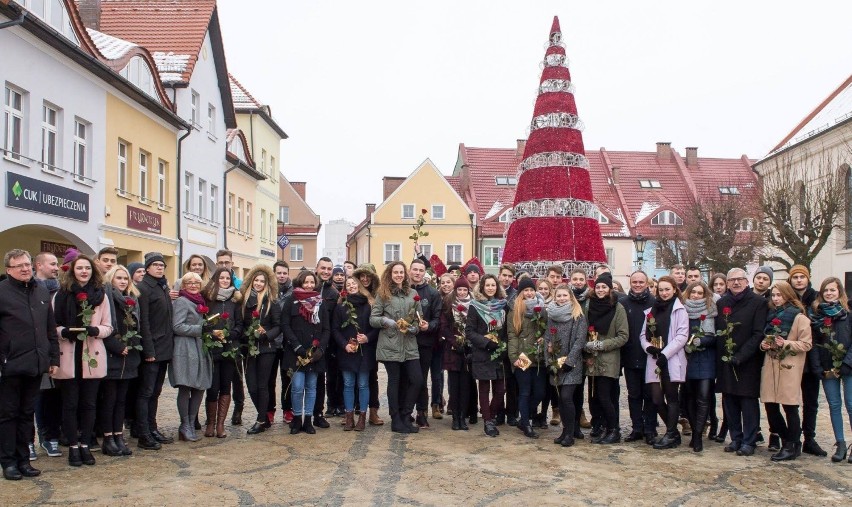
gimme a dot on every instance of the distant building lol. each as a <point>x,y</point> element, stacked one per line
<point>335,240</point>
<point>298,226</point>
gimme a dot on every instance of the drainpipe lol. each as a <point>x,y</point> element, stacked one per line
<point>179,211</point>
<point>14,22</point>
<point>225,205</point>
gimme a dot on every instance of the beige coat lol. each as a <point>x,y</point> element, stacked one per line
<point>784,385</point>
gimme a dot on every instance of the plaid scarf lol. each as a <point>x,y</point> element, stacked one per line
<point>491,310</point>
<point>786,314</point>
<point>309,304</point>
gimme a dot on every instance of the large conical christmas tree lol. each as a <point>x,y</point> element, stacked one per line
<point>554,218</point>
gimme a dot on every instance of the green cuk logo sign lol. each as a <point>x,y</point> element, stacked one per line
<point>17,190</point>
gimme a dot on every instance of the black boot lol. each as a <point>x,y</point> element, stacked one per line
<point>409,424</point>
<point>491,429</point>
<point>529,432</point>
<point>473,419</point>
<point>578,433</point>
<point>148,442</point>
<point>257,427</point>
<point>840,454</point>
<point>774,442</point>
<point>597,434</point>
<point>397,426</point>
<point>86,455</point>
<point>307,427</point>
<point>463,422</point>
<point>714,428</point>
<point>787,452</point>
<point>237,416</point>
<point>121,444</point>
<point>668,441</point>
<point>565,432</point>
<point>109,448</point>
<point>74,458</point>
<point>613,436</point>
<point>296,425</point>
<point>321,422</point>
<point>811,447</point>
<point>456,425</point>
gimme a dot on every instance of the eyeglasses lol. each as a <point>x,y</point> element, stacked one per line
<point>737,280</point>
<point>192,283</point>
<point>25,265</point>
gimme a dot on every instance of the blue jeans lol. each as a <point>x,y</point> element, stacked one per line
<point>831,386</point>
<point>531,387</point>
<point>303,392</point>
<point>349,379</point>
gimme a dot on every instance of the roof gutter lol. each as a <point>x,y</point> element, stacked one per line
<point>14,22</point>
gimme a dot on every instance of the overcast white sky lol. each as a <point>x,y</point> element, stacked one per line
<point>372,88</point>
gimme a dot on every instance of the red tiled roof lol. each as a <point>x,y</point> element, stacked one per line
<point>164,27</point>
<point>482,193</point>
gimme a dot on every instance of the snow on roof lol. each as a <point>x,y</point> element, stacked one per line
<point>241,96</point>
<point>498,206</point>
<point>646,209</point>
<point>833,110</point>
<point>111,47</point>
<point>168,63</point>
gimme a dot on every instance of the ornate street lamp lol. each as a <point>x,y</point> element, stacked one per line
<point>639,244</point>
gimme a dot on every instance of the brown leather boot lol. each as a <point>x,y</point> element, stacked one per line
<point>222,414</point>
<point>375,420</point>
<point>349,421</point>
<point>210,430</point>
<point>362,419</point>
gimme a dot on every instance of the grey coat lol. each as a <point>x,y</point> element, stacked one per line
<point>572,338</point>
<point>190,366</point>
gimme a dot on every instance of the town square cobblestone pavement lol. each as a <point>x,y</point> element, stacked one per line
<point>435,467</point>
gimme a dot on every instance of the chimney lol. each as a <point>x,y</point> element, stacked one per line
<point>664,151</point>
<point>615,172</point>
<point>389,184</point>
<point>519,151</point>
<point>692,157</point>
<point>299,187</point>
<point>90,13</point>
<point>370,209</point>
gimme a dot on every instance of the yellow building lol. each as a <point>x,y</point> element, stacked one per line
<point>241,216</point>
<point>384,236</point>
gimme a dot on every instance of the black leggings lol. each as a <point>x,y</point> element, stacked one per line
<point>789,430</point>
<point>459,382</point>
<point>605,389</point>
<point>698,403</point>
<point>567,411</point>
<point>113,400</point>
<point>79,403</point>
<point>223,375</point>
<point>258,370</point>
<point>668,407</point>
<point>400,404</point>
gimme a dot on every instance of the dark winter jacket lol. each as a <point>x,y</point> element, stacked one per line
<point>431,302</point>
<point>364,359</point>
<point>299,335</point>
<point>483,367</point>
<point>750,312</point>
<point>270,320</point>
<point>633,357</point>
<point>232,307</point>
<point>701,364</point>
<point>820,362</point>
<point>155,319</point>
<point>330,295</point>
<point>120,366</point>
<point>28,342</point>
<point>456,357</point>
<point>808,297</point>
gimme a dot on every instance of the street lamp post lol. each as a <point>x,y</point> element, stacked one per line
<point>639,244</point>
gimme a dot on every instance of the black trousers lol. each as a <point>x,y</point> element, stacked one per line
<point>112,401</point>
<point>239,397</point>
<point>810,404</point>
<point>643,413</point>
<point>374,387</point>
<point>258,371</point>
<point>17,406</point>
<point>49,414</point>
<point>578,400</point>
<point>666,396</point>
<point>460,389</point>
<point>151,378</point>
<point>401,401</point>
<point>512,408</point>
<point>789,430</point>
<point>79,408</point>
<point>605,401</point>
<point>567,412</point>
<point>286,404</point>
<point>425,368</point>
<point>700,394</point>
<point>223,374</point>
<point>743,417</point>
<point>334,382</point>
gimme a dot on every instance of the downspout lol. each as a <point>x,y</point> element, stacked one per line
<point>179,211</point>
<point>473,235</point>
<point>14,22</point>
<point>225,214</point>
<point>369,241</point>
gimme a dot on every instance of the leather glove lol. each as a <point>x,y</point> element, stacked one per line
<point>736,361</point>
<point>708,340</point>
<point>654,351</point>
<point>206,326</point>
<point>388,323</point>
<point>845,370</point>
<point>316,355</point>
<point>490,346</point>
<point>594,346</point>
<point>662,361</point>
<point>297,349</point>
<point>92,331</point>
<point>67,334</point>
<point>565,368</point>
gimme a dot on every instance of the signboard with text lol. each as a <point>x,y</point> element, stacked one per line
<point>30,194</point>
<point>56,248</point>
<point>143,220</point>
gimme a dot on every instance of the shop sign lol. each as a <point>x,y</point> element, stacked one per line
<point>43,197</point>
<point>143,220</point>
<point>56,248</point>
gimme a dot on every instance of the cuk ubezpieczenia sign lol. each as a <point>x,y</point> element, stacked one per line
<point>143,220</point>
<point>43,197</point>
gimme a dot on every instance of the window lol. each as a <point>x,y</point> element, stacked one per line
<point>202,197</point>
<point>13,119</point>
<point>240,206</point>
<point>230,210</point>
<point>214,208</point>
<point>505,216</point>
<point>506,180</point>
<point>667,218</point>
<point>262,161</point>
<point>122,168</point>
<point>392,252</point>
<point>297,252</point>
<point>195,116</point>
<point>187,192</point>
<point>454,254</point>
<point>81,154</point>
<point>437,212</point>
<point>284,214</point>
<point>610,256</point>
<point>747,225</point>
<point>492,256</point>
<point>248,218</point>
<point>602,219</point>
<point>49,135</point>
<point>271,224</point>
<point>211,120</point>
<point>407,211</point>
<point>658,257</point>
<point>143,176</point>
<point>729,190</point>
<point>650,184</point>
<point>161,183</point>
<point>262,224</point>
<point>272,171</point>
<point>426,251</point>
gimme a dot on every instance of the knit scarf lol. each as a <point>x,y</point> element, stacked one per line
<point>738,297</point>
<point>67,308</point>
<point>662,311</point>
<point>601,313</point>
<point>531,304</point>
<point>464,304</point>
<point>580,294</point>
<point>695,308</point>
<point>225,294</point>
<point>196,298</point>
<point>491,310</point>
<point>833,310</point>
<point>786,314</point>
<point>309,304</point>
<point>560,313</point>
<point>641,297</point>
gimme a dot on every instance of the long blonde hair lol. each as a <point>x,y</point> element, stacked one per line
<point>576,310</point>
<point>270,291</point>
<point>131,287</point>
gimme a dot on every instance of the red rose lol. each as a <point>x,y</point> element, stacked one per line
<point>826,322</point>
<point>553,330</point>
<point>315,343</point>
<point>492,323</point>
<point>344,294</point>
<point>537,309</point>
<point>82,297</point>
<point>130,302</point>
<point>64,267</point>
<point>460,308</point>
<point>202,309</point>
<point>591,329</point>
<point>702,318</point>
<point>423,211</point>
<point>726,310</point>
<point>650,316</point>
<point>776,322</point>
<point>225,315</point>
<point>255,314</point>
<point>416,298</point>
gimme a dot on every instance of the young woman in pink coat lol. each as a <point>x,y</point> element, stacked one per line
<point>666,364</point>
<point>82,355</point>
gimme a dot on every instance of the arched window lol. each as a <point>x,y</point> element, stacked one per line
<point>667,218</point>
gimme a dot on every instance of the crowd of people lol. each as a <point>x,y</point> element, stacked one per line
<point>86,345</point>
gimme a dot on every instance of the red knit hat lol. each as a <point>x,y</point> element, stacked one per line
<point>554,218</point>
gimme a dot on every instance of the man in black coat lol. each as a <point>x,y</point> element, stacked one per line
<point>738,378</point>
<point>155,326</point>
<point>332,379</point>
<point>29,348</point>
<point>430,331</point>
<point>643,413</point>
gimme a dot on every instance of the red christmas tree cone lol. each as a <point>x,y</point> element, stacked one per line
<point>554,219</point>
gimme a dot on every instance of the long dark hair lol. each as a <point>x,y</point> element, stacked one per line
<point>212,287</point>
<point>299,281</point>
<point>387,285</point>
<point>68,279</point>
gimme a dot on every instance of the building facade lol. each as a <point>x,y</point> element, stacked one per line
<point>336,232</point>
<point>298,226</point>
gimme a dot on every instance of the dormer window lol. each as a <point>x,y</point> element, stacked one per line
<point>729,190</point>
<point>650,184</point>
<point>505,216</point>
<point>667,218</point>
<point>602,219</point>
<point>506,180</point>
<point>53,12</point>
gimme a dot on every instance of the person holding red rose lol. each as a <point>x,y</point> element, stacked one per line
<point>701,362</point>
<point>191,370</point>
<point>81,286</point>
<point>223,299</point>
<point>456,357</point>
<point>525,335</point>
<point>305,326</point>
